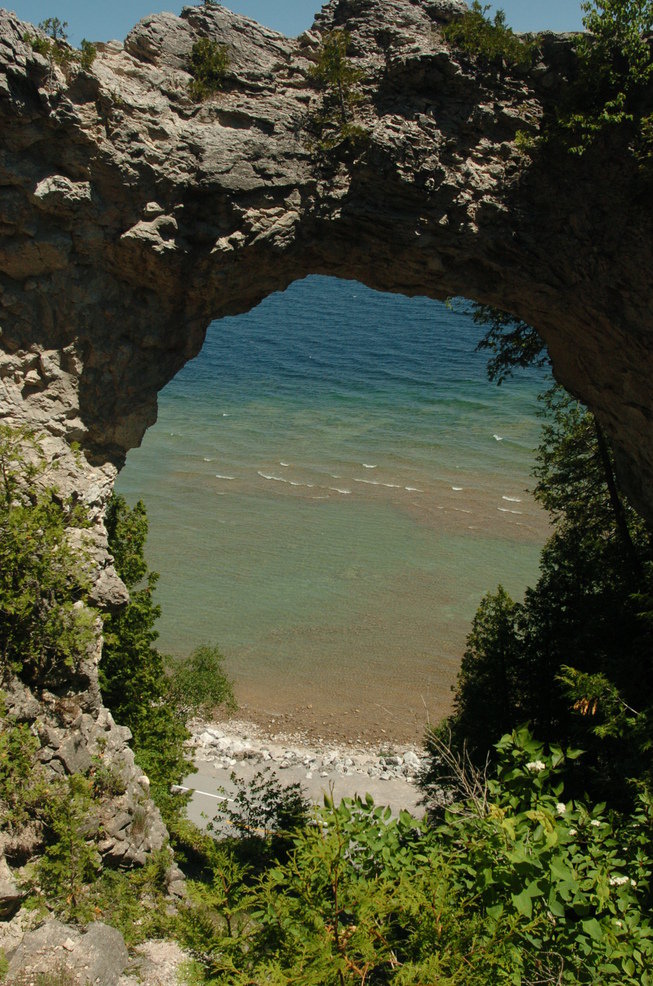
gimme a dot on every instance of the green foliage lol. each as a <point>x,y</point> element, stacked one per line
<point>519,886</point>
<point>135,901</point>
<point>88,53</point>
<point>490,42</point>
<point>609,97</point>
<point>70,861</point>
<point>56,48</point>
<point>574,659</point>
<point>55,29</point>
<point>46,625</point>
<point>265,814</point>
<point>512,343</point>
<point>208,64</point>
<point>197,684</point>
<point>339,81</point>
<point>132,677</point>
<point>22,783</point>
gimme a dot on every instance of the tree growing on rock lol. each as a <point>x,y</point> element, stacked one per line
<point>46,623</point>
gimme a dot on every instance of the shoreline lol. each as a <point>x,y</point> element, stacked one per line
<point>222,748</point>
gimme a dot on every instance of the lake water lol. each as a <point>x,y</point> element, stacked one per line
<point>332,485</point>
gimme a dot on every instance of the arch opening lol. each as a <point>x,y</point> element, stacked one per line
<point>332,485</point>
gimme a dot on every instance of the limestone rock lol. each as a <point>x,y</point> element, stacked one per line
<point>150,215</point>
<point>10,895</point>
<point>96,956</point>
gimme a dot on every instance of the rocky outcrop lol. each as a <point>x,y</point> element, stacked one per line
<point>130,217</point>
<point>95,956</point>
<point>77,735</point>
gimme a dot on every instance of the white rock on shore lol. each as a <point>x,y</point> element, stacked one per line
<point>225,744</point>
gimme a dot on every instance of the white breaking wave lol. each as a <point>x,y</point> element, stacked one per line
<point>504,510</point>
<point>412,489</point>
<point>458,489</point>
<point>219,476</point>
<point>391,486</point>
<point>335,489</point>
<point>268,475</point>
<point>368,482</point>
<point>285,464</point>
<point>497,438</point>
<point>368,465</point>
<point>512,499</point>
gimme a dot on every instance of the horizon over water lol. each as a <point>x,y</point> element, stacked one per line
<point>332,485</point>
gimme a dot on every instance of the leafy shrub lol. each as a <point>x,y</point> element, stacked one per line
<point>71,860</point>
<point>46,624</point>
<point>22,784</point>
<point>615,72</point>
<point>491,42</point>
<point>574,659</point>
<point>265,814</point>
<point>56,48</point>
<point>135,901</point>
<point>522,886</point>
<point>88,53</point>
<point>197,684</point>
<point>208,64</point>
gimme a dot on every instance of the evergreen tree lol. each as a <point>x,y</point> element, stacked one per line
<point>132,676</point>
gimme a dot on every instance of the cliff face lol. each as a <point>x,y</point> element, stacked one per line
<point>131,216</point>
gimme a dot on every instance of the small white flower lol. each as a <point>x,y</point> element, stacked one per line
<point>617,881</point>
<point>573,832</point>
<point>595,823</point>
<point>561,809</point>
<point>535,766</point>
<point>633,883</point>
<point>618,923</point>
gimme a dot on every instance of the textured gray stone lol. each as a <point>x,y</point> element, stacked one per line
<point>97,956</point>
<point>150,215</point>
<point>10,895</point>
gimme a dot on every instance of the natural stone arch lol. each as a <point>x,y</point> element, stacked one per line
<point>132,217</point>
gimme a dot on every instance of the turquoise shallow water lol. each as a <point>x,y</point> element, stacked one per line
<point>332,485</point>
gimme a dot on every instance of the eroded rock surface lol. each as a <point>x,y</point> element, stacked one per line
<point>95,956</point>
<point>130,216</point>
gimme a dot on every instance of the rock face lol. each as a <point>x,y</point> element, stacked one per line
<point>130,217</point>
<point>97,956</point>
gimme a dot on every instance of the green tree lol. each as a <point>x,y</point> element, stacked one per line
<point>208,64</point>
<point>132,677</point>
<point>616,68</point>
<point>575,658</point>
<point>491,42</point>
<point>334,73</point>
<point>71,860</point>
<point>512,343</point>
<point>46,624</point>
<point>197,684</point>
<point>55,29</point>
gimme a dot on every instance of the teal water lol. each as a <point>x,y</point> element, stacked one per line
<point>332,485</point>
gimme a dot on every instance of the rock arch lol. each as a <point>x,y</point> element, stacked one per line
<point>130,216</point>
